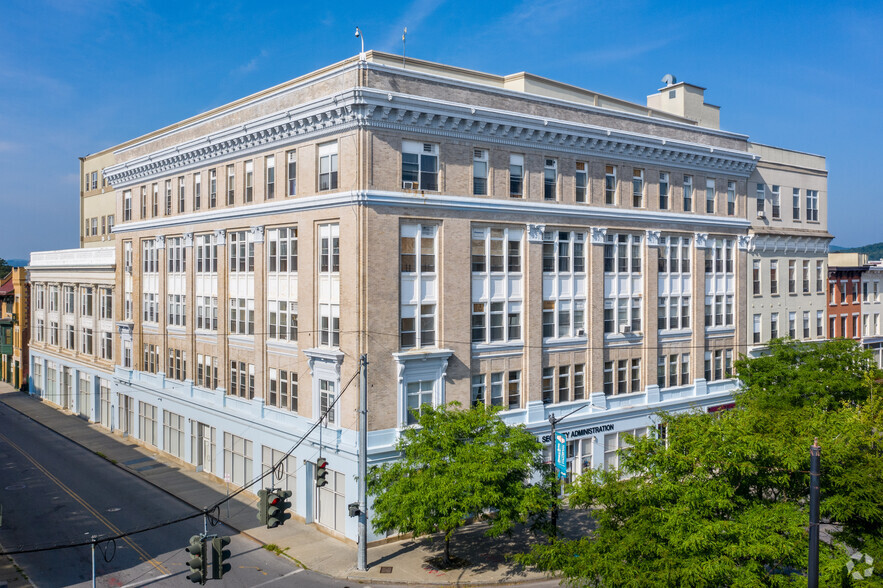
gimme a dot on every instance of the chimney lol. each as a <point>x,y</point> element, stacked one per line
<point>685,100</point>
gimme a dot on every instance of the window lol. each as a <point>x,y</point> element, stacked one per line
<point>496,311</point>
<point>95,226</point>
<point>419,284</point>
<point>328,166</point>
<point>718,364</point>
<point>282,389</point>
<point>149,307</point>
<point>177,310</point>
<point>795,203</point>
<point>143,202</point>
<point>231,185</point>
<point>68,300</point>
<point>168,197</point>
<point>176,253</point>
<point>282,320</point>
<point>242,316</point>
<point>479,389</point>
<point>719,283</point>
<point>622,283</point>
<point>581,181</point>
<point>270,175</point>
<point>53,298</point>
<point>213,189</point>
<point>673,310</point>
<point>86,341</point>
<point>792,325</point>
<point>564,276</point>
<point>709,196</point>
<point>755,274</point>
<point>110,224</point>
<point>173,434</point>
<point>805,281</point>
<point>419,166</point>
<point>776,202</point>
<point>238,459</point>
<point>663,190</point>
<point>516,176</point>
<point>479,172</point>
<point>86,301</point>
<point>206,254</point>
<point>249,180</point>
<point>207,371</point>
<point>127,205</point>
<point>756,329</point>
<point>731,198</point>
<point>241,250</point>
<point>207,313</point>
<point>329,285</point>
<point>181,194</point>
<point>147,423</point>
<point>688,193</point>
<point>241,379</point>
<point>550,179</point>
<point>792,276</point>
<point>94,180</point>
<point>106,345</point>
<point>774,325</point>
<point>812,205</point>
<point>806,324</point>
<point>820,275</point>
<point>327,394</point>
<point>820,324</point>
<point>176,368</point>
<point>774,276</point>
<point>197,191</point>
<point>151,358</point>
<point>53,333</point>
<point>610,184</point>
<point>292,172</point>
<point>673,370</point>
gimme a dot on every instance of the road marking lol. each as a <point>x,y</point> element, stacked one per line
<point>145,582</point>
<point>138,549</point>
<point>279,578</point>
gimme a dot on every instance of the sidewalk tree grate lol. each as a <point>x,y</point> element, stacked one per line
<point>385,569</point>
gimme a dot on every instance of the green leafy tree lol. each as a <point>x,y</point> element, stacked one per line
<point>722,500</point>
<point>459,465</point>
<point>5,268</point>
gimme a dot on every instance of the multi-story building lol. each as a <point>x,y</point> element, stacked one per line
<point>513,241</point>
<point>872,307</point>
<point>14,331</point>
<point>787,196</point>
<point>97,201</point>
<point>844,301</point>
<point>72,335</point>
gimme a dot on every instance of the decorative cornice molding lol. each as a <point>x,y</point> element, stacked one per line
<point>535,232</point>
<point>256,234</point>
<point>220,237</point>
<point>368,108</point>
<point>701,240</point>
<point>597,215</point>
<point>653,237</point>
<point>598,235</point>
<point>784,244</point>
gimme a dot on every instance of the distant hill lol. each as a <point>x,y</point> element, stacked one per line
<point>874,250</point>
<point>836,249</point>
<point>17,262</point>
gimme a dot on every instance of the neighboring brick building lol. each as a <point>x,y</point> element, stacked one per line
<point>509,240</point>
<point>844,300</point>
<point>14,332</point>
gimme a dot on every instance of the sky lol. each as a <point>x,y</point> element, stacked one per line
<point>78,76</point>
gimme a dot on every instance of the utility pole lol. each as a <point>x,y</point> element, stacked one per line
<point>363,464</point>
<point>815,463</point>
<point>554,517</point>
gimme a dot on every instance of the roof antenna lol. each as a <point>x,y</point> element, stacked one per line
<point>362,39</point>
<point>405,32</point>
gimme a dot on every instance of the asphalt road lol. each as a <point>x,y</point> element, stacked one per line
<point>54,492</point>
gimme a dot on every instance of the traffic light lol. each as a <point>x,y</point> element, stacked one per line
<point>276,507</point>
<point>354,509</point>
<point>219,557</point>
<point>197,563</point>
<point>321,472</point>
<point>263,503</point>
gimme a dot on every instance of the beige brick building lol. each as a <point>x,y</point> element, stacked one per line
<point>509,240</point>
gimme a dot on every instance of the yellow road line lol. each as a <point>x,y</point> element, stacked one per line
<point>138,549</point>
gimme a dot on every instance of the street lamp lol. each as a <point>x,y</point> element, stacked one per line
<point>362,39</point>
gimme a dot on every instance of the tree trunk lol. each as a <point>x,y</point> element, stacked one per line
<point>447,559</point>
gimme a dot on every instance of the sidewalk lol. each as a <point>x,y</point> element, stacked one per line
<point>398,562</point>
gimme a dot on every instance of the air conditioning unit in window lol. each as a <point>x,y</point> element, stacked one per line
<point>761,214</point>
<point>580,332</point>
<point>625,329</point>
<point>409,185</point>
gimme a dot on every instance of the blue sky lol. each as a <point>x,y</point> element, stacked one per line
<point>77,76</point>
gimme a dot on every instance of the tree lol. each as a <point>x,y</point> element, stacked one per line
<point>722,500</point>
<point>458,465</point>
<point>5,268</point>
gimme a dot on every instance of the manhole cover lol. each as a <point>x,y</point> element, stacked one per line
<point>385,569</point>
<point>113,509</point>
<point>17,487</point>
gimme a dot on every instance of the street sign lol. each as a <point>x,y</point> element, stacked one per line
<point>561,455</point>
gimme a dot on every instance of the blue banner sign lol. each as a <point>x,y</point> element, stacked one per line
<point>561,455</point>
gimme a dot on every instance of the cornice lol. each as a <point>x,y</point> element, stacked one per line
<point>530,210</point>
<point>785,244</point>
<point>373,109</point>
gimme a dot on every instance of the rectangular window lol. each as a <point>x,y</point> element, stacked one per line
<point>663,190</point>
<point>774,276</point>
<point>281,247</point>
<point>231,185</point>
<point>86,341</point>
<point>812,205</point>
<point>206,254</point>
<point>774,325</point>
<point>479,172</point>
<point>610,184</point>
<point>181,194</point>
<point>756,329</point>
<point>241,312</point>
<point>795,204</point>
<point>176,368</point>
<point>563,383</point>
<point>579,381</point>
<point>197,191</point>
<point>581,181</point>
<point>238,459</point>
<point>127,205</point>
<point>292,173</point>
<point>86,301</point>
<point>792,276</point>
<point>622,290</point>
<point>69,300</point>
<point>638,188</point>
<point>173,434</point>
<point>282,389</point>
<point>419,283</point>
<point>176,254</point>
<point>564,298</point>
<point>177,310</point>
<point>548,384</point>
<point>514,389</point>
<point>249,181</point>
<point>755,274</point>
<point>207,313</point>
<point>270,176</point>
<point>792,325</point>
<point>820,324</point>
<point>550,179</point>
<point>516,176</point>
<point>213,189</point>
<point>168,197</point>
<point>731,198</point>
<point>478,389</point>
<point>282,320</point>
<point>329,285</point>
<point>241,250</point>
<point>709,196</point>
<point>805,281</point>
<point>806,324</point>
<point>688,193</point>
<point>328,166</point>
<point>147,423</point>
<point>760,195</point>
<point>820,278</point>
<point>419,394</point>
<point>775,198</point>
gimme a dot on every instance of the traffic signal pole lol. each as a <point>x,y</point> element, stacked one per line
<point>362,560</point>
<point>815,461</point>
